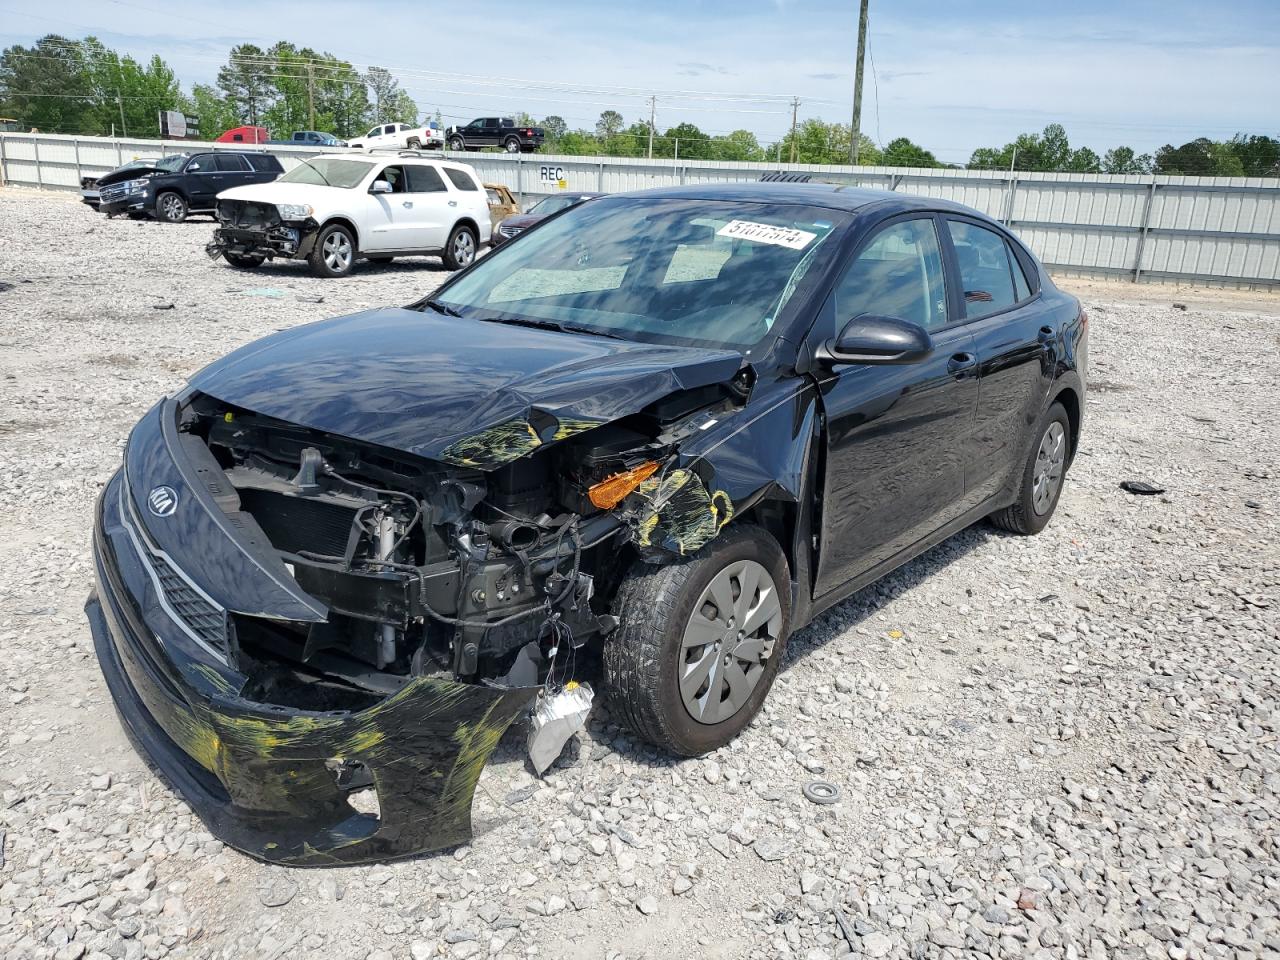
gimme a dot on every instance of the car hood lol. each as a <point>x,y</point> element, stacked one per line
<point>522,221</point>
<point>133,173</point>
<point>461,391</point>
<point>277,192</point>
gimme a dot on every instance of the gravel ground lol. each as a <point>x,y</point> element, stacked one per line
<point>1062,746</point>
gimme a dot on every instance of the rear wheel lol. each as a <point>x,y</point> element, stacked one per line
<point>1041,482</point>
<point>512,144</point>
<point>171,207</point>
<point>244,261</point>
<point>460,251</point>
<point>456,143</point>
<point>700,642</point>
<point>414,143</point>
<point>334,252</point>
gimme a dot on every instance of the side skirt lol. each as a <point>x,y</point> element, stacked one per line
<point>849,588</point>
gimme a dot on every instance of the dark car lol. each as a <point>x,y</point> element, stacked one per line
<point>311,138</point>
<point>89,183</point>
<point>173,187</point>
<point>494,132</point>
<point>520,222</point>
<point>674,425</point>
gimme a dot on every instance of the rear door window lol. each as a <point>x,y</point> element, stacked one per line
<point>230,163</point>
<point>263,162</point>
<point>424,179</point>
<point>458,178</point>
<point>986,275</point>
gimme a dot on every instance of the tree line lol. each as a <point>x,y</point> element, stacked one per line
<point>81,86</point>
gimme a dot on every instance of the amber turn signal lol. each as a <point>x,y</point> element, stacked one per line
<point>611,491</point>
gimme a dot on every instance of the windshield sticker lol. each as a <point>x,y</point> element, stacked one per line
<point>766,233</point>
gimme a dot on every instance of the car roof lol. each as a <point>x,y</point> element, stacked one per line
<point>834,196</point>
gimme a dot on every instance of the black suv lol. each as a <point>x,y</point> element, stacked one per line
<point>494,132</point>
<point>175,186</point>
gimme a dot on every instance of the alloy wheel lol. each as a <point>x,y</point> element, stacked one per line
<point>337,252</point>
<point>464,248</point>
<point>733,631</point>
<point>1046,478</point>
<point>171,207</point>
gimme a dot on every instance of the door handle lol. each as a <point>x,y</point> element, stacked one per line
<point>407,203</point>
<point>961,361</point>
<point>453,203</point>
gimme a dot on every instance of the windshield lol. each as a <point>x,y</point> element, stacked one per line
<point>550,205</point>
<point>328,173</point>
<point>172,164</point>
<point>704,272</point>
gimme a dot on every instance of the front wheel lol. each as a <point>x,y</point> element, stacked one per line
<point>460,251</point>
<point>699,643</point>
<point>171,207</point>
<point>244,261</point>
<point>1041,481</point>
<point>334,252</point>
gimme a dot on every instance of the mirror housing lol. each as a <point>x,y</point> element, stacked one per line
<point>380,186</point>
<point>871,338</point>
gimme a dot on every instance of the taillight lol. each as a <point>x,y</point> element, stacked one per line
<point>528,133</point>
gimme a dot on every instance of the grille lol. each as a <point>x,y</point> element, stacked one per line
<point>200,616</point>
<point>112,193</point>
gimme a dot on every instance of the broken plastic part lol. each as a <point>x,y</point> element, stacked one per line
<point>556,718</point>
<point>680,514</point>
<point>612,490</point>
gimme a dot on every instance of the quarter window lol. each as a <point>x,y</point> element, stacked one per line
<point>1020,285</point>
<point>985,273</point>
<point>229,163</point>
<point>898,274</point>
<point>458,178</point>
<point>424,179</point>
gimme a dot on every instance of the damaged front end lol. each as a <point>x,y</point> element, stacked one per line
<point>321,640</point>
<point>251,229</point>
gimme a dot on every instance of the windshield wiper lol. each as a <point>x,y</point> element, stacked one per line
<point>439,307</point>
<point>552,325</point>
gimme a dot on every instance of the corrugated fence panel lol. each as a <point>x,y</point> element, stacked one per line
<point>1184,228</point>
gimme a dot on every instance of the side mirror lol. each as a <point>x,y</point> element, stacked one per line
<point>380,186</point>
<point>871,338</point>
<point>193,166</point>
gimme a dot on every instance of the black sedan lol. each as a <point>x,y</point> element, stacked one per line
<point>514,225</point>
<point>674,425</point>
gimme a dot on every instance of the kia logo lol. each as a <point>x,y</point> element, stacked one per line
<point>162,501</point>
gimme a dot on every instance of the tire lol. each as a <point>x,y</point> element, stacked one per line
<point>243,261</point>
<point>457,143</point>
<point>460,250</point>
<point>413,143</point>
<point>1042,478</point>
<point>171,207</point>
<point>334,252</point>
<point>511,145</point>
<point>644,657</point>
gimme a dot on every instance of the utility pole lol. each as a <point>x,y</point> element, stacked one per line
<point>653,109</point>
<point>120,104</point>
<point>311,94</point>
<point>855,134</point>
<point>795,109</point>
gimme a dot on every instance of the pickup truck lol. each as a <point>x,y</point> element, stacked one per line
<point>494,132</point>
<point>311,138</point>
<point>401,135</point>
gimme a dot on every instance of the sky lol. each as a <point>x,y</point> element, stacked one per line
<point>952,76</point>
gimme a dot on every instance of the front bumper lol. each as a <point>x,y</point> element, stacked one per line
<point>131,203</point>
<point>271,781</point>
<point>287,239</point>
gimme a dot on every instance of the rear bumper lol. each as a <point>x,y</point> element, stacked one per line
<point>271,781</point>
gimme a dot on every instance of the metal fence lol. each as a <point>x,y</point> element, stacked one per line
<point>1217,230</point>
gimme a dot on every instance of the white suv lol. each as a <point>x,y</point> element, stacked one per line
<point>334,209</point>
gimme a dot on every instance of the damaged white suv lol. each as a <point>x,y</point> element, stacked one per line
<point>335,209</point>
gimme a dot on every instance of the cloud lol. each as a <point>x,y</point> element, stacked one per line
<point>699,69</point>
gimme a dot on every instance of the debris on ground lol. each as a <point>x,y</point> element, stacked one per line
<point>1141,487</point>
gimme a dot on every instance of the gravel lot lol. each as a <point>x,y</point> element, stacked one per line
<point>1062,746</point>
